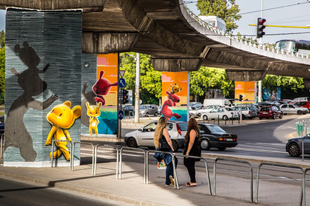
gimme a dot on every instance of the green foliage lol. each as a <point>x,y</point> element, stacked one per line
<point>206,78</point>
<point>2,39</point>
<point>285,82</point>
<point>222,9</point>
<point>150,80</point>
<point>2,74</point>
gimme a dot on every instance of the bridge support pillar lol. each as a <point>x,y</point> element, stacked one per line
<point>175,65</point>
<point>248,75</point>
<point>307,83</point>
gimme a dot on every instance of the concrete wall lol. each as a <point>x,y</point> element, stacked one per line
<point>43,69</point>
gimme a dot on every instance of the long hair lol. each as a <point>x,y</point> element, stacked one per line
<point>192,125</point>
<point>162,123</point>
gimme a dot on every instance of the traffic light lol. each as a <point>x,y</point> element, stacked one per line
<point>260,27</point>
<point>125,96</point>
<point>240,97</point>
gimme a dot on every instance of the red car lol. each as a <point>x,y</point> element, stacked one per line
<point>303,104</point>
<point>270,112</point>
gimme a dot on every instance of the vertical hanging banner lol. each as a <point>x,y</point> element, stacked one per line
<point>105,90</point>
<point>247,90</point>
<point>174,95</point>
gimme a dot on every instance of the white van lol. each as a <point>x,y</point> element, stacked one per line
<point>219,101</point>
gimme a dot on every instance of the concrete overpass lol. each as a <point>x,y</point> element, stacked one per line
<point>174,38</point>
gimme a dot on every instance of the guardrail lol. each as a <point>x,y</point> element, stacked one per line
<point>121,158</point>
<point>231,160</point>
<point>207,168</point>
<point>281,165</point>
<point>52,154</point>
<point>117,157</point>
<point>176,185</point>
<point>72,156</point>
<point>1,145</point>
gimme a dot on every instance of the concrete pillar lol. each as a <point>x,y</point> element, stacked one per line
<point>175,65</point>
<point>245,75</point>
<point>43,70</point>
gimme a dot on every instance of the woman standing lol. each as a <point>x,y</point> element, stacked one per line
<point>161,132</point>
<point>191,148</point>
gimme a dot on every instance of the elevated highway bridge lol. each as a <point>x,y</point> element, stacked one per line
<point>172,35</point>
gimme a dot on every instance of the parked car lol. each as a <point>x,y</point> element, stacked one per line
<point>294,146</point>
<point>215,136</point>
<point>299,99</point>
<point>144,137</point>
<point>270,112</point>
<point>193,112</point>
<point>148,109</point>
<point>288,101</point>
<point>127,109</point>
<point>293,109</point>
<point>207,109</point>
<point>217,101</point>
<point>223,113</point>
<point>305,104</point>
<point>159,109</point>
<point>197,105</point>
<point>247,111</point>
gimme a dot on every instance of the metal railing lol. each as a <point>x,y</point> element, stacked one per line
<point>176,182</point>
<point>72,156</point>
<point>280,165</point>
<point>117,157</point>
<point>121,158</point>
<point>52,154</point>
<point>304,186</point>
<point>231,160</point>
<point>1,145</point>
<point>207,168</point>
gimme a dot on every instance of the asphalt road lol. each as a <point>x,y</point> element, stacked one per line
<point>14,193</point>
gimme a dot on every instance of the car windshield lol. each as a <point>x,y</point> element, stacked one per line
<point>143,107</point>
<point>265,109</point>
<point>214,128</point>
<point>183,126</point>
<point>229,109</point>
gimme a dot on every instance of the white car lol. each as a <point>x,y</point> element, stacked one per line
<point>207,109</point>
<point>220,113</point>
<point>193,112</point>
<point>293,109</point>
<point>144,137</point>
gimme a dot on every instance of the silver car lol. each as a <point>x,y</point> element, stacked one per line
<point>293,109</point>
<point>148,109</point>
<point>144,137</point>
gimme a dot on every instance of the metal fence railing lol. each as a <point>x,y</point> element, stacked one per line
<point>72,155</point>
<point>117,157</point>
<point>281,165</point>
<point>52,153</point>
<point>231,160</point>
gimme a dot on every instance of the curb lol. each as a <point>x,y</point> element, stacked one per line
<point>86,191</point>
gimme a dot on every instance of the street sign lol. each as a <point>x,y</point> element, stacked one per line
<point>121,83</point>
<point>122,72</point>
<point>120,114</point>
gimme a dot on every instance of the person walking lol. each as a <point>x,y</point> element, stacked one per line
<point>192,148</point>
<point>161,138</point>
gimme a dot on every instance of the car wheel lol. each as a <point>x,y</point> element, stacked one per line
<point>221,148</point>
<point>132,142</point>
<point>156,114</point>
<point>146,114</point>
<point>280,117</point>
<point>260,118</point>
<point>175,145</point>
<point>243,116</point>
<point>274,116</point>
<point>293,150</point>
<point>225,117</point>
<point>299,112</point>
<point>205,117</point>
<point>199,115</point>
<point>205,144</point>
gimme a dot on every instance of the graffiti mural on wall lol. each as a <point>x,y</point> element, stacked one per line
<point>62,118</point>
<point>30,81</point>
<point>102,88</point>
<point>174,95</point>
<point>93,111</point>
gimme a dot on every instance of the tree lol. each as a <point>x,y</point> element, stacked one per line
<point>150,80</point>
<point>2,39</point>
<point>222,9</point>
<point>206,78</point>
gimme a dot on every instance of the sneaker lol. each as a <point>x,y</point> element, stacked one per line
<point>171,179</point>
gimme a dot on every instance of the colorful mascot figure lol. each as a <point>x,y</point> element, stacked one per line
<point>93,111</point>
<point>61,118</point>
<point>171,102</point>
<point>102,88</point>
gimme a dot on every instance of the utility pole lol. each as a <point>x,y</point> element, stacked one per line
<point>137,94</point>
<point>261,42</point>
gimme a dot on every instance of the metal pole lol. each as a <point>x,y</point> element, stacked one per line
<point>137,103</point>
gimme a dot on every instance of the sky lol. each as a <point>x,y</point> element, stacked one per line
<point>290,13</point>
